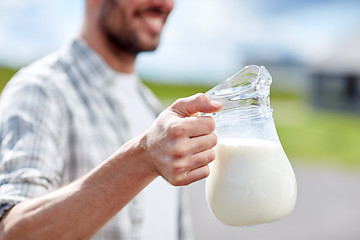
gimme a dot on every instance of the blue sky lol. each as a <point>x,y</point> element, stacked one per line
<point>30,29</point>
<point>206,40</point>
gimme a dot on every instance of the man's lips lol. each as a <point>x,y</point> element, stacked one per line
<point>153,18</point>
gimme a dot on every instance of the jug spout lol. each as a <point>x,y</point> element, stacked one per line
<point>245,94</point>
<point>251,81</point>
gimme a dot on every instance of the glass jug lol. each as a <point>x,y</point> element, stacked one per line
<point>251,180</point>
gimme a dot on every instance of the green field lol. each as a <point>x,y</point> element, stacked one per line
<point>309,135</point>
<point>318,136</point>
<point>5,75</point>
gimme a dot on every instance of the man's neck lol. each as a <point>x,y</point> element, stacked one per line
<point>118,60</point>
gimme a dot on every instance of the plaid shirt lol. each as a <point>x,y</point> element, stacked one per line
<point>59,118</point>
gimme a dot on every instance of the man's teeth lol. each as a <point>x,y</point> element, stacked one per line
<point>154,21</point>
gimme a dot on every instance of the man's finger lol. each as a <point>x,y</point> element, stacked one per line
<point>201,159</point>
<point>198,126</point>
<point>201,143</point>
<point>197,174</point>
<point>186,107</point>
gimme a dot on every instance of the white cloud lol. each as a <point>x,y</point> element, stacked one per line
<point>5,4</point>
<point>33,28</point>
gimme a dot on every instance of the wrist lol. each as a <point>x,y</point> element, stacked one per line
<point>135,156</point>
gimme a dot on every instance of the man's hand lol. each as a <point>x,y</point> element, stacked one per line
<point>179,143</point>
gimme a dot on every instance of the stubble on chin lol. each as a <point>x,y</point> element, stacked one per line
<point>118,34</point>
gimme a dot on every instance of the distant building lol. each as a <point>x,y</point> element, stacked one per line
<point>336,81</point>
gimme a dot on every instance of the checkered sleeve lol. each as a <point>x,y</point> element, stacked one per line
<point>29,148</point>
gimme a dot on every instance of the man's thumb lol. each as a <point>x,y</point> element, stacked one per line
<point>199,102</point>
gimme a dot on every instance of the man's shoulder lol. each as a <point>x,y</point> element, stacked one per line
<point>50,70</point>
<point>42,82</point>
<point>43,68</point>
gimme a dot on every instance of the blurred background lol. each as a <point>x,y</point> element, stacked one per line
<point>310,47</point>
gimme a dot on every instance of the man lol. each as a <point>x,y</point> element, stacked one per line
<point>81,152</point>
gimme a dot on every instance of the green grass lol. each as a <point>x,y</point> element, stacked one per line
<point>5,75</point>
<point>318,136</point>
<point>310,135</point>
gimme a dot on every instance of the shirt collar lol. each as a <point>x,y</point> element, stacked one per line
<point>93,67</point>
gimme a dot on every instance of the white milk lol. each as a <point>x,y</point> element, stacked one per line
<point>251,182</point>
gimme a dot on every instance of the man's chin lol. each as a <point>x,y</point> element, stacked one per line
<point>149,45</point>
<point>150,49</point>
